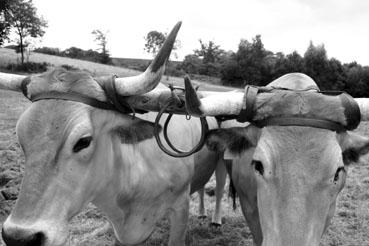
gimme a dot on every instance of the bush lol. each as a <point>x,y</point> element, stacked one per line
<point>88,55</point>
<point>140,67</point>
<point>12,46</point>
<point>28,67</point>
<point>70,67</point>
<point>191,64</point>
<point>49,51</point>
<point>175,71</point>
<point>77,53</point>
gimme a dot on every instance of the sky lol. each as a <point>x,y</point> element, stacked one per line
<point>284,25</point>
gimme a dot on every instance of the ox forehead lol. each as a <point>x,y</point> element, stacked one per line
<point>61,80</point>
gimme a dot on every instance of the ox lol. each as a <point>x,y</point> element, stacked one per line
<point>76,154</point>
<point>287,176</point>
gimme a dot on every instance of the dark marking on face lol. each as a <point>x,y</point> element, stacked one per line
<point>349,156</point>
<point>233,138</point>
<point>336,175</point>
<point>136,132</point>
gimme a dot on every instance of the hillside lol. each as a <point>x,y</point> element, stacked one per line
<point>8,56</point>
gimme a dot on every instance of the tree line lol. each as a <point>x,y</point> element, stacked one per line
<point>77,53</point>
<point>253,64</point>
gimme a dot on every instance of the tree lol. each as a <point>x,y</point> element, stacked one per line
<point>22,17</point>
<point>230,71</point>
<point>316,64</point>
<point>290,63</point>
<point>154,41</point>
<point>101,39</point>
<point>210,52</point>
<point>191,64</point>
<point>4,25</point>
<point>295,62</point>
<point>210,55</point>
<point>253,62</point>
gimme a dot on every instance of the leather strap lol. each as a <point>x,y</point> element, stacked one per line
<point>247,112</point>
<point>296,121</point>
<point>111,92</point>
<point>113,102</point>
<point>76,97</point>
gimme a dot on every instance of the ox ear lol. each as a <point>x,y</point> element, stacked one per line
<point>135,131</point>
<point>353,146</point>
<point>233,141</point>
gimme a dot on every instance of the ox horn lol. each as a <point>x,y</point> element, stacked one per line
<point>148,80</point>
<point>11,82</point>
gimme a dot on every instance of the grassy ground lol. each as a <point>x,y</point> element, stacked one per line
<point>350,225</point>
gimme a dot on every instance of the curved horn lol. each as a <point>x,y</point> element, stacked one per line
<point>140,84</point>
<point>364,108</point>
<point>215,103</point>
<point>11,82</point>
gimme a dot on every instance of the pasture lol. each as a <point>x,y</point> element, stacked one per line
<point>349,227</point>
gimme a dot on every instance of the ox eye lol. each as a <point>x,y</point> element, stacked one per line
<point>337,174</point>
<point>82,144</point>
<point>258,166</point>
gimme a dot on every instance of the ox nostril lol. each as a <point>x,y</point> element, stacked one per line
<point>22,238</point>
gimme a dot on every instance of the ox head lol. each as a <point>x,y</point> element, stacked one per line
<point>69,147</point>
<point>287,177</point>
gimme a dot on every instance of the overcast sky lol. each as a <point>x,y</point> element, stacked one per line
<point>284,25</point>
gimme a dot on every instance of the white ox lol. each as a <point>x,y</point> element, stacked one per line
<point>76,154</point>
<point>287,177</point>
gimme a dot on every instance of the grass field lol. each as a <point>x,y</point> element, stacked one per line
<point>350,225</point>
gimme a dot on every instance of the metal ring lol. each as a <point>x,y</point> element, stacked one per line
<point>177,152</point>
<point>165,131</point>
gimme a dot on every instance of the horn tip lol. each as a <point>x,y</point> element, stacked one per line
<point>193,102</point>
<point>178,25</point>
<point>166,49</point>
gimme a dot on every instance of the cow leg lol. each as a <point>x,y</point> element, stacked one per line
<point>202,214</point>
<point>220,177</point>
<point>178,220</point>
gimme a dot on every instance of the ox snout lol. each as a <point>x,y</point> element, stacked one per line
<point>34,234</point>
<point>23,237</point>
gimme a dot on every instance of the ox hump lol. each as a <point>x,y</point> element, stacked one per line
<point>294,81</point>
